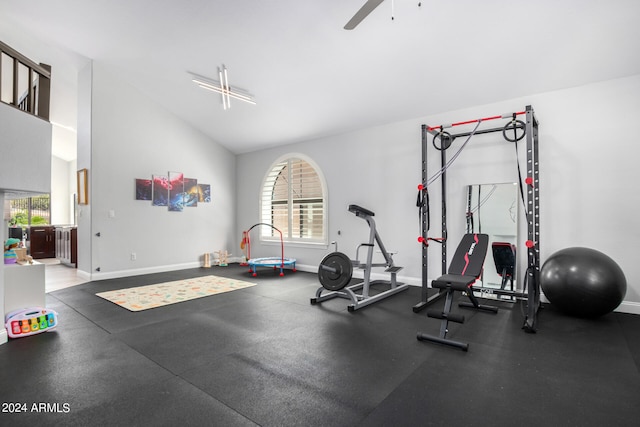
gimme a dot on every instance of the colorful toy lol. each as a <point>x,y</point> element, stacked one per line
<point>244,245</point>
<point>30,321</point>
<point>10,256</point>
<point>223,258</point>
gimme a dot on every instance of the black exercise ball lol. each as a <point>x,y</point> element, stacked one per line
<point>583,282</point>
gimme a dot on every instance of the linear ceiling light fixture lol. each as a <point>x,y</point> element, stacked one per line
<point>223,88</point>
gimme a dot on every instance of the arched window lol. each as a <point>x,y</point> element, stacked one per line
<point>293,200</point>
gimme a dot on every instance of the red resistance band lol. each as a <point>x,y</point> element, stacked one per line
<point>503,116</point>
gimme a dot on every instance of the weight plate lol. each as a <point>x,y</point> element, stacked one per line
<point>335,271</point>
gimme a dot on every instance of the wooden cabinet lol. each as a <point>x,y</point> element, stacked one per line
<point>43,242</point>
<point>67,245</point>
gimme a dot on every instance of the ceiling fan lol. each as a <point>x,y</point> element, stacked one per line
<point>364,11</point>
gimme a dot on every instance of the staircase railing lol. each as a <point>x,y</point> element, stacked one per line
<point>24,84</point>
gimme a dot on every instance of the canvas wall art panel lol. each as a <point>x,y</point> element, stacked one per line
<point>160,191</point>
<point>176,191</point>
<point>205,193</point>
<point>143,189</point>
<point>191,192</point>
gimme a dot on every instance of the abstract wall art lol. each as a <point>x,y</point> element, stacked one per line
<point>172,190</point>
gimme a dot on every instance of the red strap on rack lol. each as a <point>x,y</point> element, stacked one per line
<point>426,241</point>
<point>503,116</point>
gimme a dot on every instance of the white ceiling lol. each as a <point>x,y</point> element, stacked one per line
<point>311,78</point>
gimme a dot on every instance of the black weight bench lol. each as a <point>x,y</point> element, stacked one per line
<point>464,270</point>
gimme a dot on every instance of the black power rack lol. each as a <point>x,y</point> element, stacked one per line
<point>532,204</point>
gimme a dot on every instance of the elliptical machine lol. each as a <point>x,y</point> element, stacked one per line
<point>336,270</point>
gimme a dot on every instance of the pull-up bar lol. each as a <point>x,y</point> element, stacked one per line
<point>503,116</point>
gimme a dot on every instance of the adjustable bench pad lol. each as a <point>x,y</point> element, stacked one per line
<point>466,265</point>
<point>455,281</point>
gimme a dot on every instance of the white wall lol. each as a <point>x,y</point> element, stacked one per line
<point>85,252</point>
<point>63,186</point>
<point>25,164</point>
<point>27,160</point>
<point>588,161</point>
<point>132,137</point>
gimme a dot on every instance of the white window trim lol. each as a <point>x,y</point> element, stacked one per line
<point>325,224</point>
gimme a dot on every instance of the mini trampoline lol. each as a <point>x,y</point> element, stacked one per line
<point>274,262</point>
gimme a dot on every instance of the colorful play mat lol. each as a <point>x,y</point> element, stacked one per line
<point>158,295</point>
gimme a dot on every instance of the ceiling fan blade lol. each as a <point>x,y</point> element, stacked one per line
<point>365,10</point>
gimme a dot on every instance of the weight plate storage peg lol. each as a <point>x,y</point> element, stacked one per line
<point>335,271</point>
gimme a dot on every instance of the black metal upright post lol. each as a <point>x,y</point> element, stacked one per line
<point>425,299</point>
<point>443,180</point>
<point>424,220</point>
<point>470,224</point>
<point>533,222</point>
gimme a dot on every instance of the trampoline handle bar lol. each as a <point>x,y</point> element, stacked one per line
<point>281,240</point>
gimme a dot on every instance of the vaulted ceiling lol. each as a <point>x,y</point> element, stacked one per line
<point>312,78</point>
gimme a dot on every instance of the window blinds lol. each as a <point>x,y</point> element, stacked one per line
<point>293,201</point>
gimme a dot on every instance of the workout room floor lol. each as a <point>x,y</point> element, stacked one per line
<point>265,356</point>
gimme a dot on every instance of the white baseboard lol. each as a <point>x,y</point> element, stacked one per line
<point>624,307</point>
<point>141,271</point>
<point>83,275</point>
<point>628,307</point>
<point>4,337</point>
